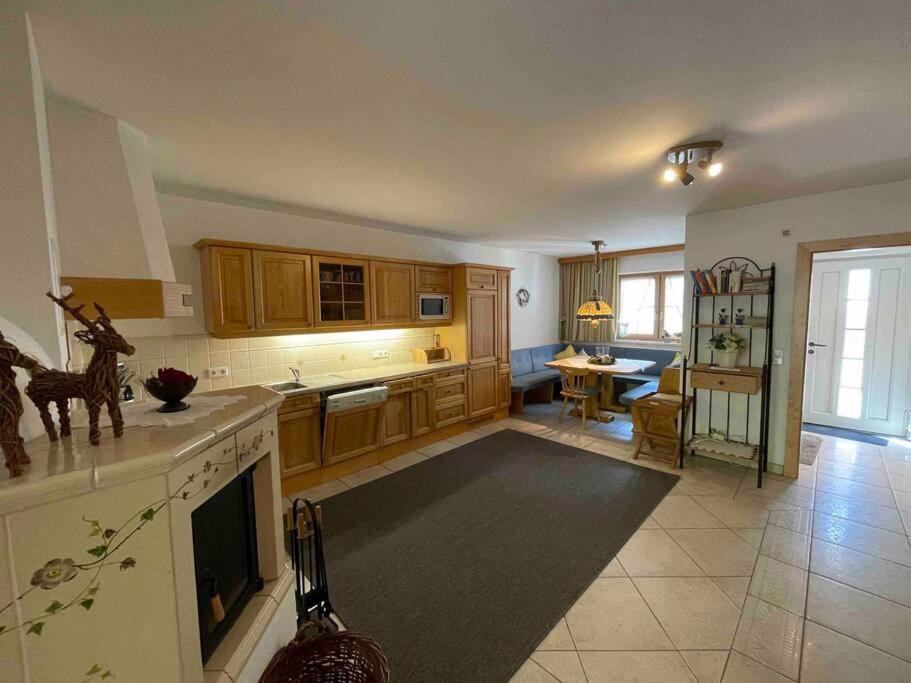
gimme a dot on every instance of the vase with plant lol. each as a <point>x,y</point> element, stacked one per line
<point>726,348</point>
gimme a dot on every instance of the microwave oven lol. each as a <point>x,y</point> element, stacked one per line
<point>434,307</point>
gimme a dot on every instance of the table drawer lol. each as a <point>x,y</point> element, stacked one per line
<point>726,381</point>
<point>450,414</point>
<point>446,393</point>
<point>449,376</point>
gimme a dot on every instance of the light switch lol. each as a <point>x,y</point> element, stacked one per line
<point>777,357</point>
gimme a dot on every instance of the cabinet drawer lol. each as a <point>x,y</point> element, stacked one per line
<point>450,414</point>
<point>400,386</point>
<point>726,381</point>
<point>449,376</point>
<point>424,381</point>
<point>446,393</point>
<point>293,403</point>
<point>481,278</point>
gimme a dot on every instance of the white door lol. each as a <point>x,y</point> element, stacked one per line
<point>858,341</point>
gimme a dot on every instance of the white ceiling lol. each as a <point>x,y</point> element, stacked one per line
<point>531,123</point>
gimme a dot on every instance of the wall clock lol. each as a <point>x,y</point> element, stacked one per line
<point>523,297</point>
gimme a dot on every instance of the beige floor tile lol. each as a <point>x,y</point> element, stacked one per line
<point>437,448</point>
<point>786,545</point>
<point>854,459</point>
<point>558,638</point>
<point>613,569</point>
<point>902,454</point>
<point>710,480</point>
<point>652,552</point>
<point>321,491</point>
<point>465,437</point>
<point>364,475</point>
<point>569,438</point>
<point>830,657</point>
<point>800,521</point>
<point>880,577</point>
<point>735,587</point>
<point>866,539</point>
<point>694,612</point>
<point>564,666</point>
<point>403,461</point>
<point>783,491</point>
<point>491,428</point>
<point>867,475</point>
<point>903,500</point>
<point>781,584</point>
<point>857,511</point>
<point>706,666</point>
<point>682,512</point>
<point>718,552</point>
<point>901,467</point>
<point>769,504</point>
<point>741,669</point>
<point>872,620</point>
<point>771,636</point>
<point>532,672</point>
<point>635,667</point>
<point>611,615</point>
<point>856,490</point>
<point>751,536</point>
<point>734,513</point>
<point>611,449</point>
<point>900,482</point>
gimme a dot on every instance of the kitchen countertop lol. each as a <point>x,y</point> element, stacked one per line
<point>382,373</point>
<point>72,466</point>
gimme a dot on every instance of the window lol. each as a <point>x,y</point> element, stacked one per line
<point>651,306</point>
<point>850,383</point>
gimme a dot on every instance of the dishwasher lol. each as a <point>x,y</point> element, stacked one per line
<point>352,421</point>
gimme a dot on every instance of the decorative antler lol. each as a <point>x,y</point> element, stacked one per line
<point>73,310</point>
<point>103,318</point>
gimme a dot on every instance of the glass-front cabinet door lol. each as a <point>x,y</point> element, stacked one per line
<point>342,291</point>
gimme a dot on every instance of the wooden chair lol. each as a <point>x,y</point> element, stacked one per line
<point>658,417</point>
<point>575,387</point>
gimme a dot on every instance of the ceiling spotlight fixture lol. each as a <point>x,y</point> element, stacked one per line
<point>680,157</point>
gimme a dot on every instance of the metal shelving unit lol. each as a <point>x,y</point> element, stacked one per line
<point>716,403</point>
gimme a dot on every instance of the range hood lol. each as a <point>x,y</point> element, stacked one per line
<point>112,242</point>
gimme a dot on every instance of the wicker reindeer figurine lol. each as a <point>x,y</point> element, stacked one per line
<point>97,386</point>
<point>11,406</point>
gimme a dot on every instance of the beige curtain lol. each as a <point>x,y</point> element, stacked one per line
<point>576,281</point>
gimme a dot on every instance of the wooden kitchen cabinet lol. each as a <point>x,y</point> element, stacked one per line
<point>392,297</point>
<point>397,414</point>
<point>227,281</point>
<point>482,389</point>
<point>422,406</point>
<point>342,291</point>
<point>481,278</point>
<point>299,440</point>
<point>283,285</point>
<point>504,387</point>
<point>435,279</point>
<point>482,313</point>
<point>503,302</point>
<point>353,432</point>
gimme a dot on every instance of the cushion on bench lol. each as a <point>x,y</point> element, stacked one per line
<point>627,397</point>
<point>542,354</point>
<point>520,362</point>
<point>532,380</point>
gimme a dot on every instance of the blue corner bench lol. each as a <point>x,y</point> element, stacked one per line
<point>531,377</point>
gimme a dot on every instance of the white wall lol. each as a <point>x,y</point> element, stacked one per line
<point>187,220</point>
<point>756,232</point>
<point>651,263</point>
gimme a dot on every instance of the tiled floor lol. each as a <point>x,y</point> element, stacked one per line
<point>804,581</point>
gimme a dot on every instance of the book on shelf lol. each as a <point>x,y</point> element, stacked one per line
<point>735,281</point>
<point>710,279</point>
<point>754,284</point>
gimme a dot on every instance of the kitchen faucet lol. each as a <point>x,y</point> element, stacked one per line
<point>296,372</point>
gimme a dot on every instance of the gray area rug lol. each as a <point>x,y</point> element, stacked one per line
<point>459,566</point>
<point>809,448</point>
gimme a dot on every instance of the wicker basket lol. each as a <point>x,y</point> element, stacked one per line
<point>328,657</point>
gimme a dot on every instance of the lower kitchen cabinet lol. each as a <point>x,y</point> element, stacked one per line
<point>422,406</point>
<point>397,413</point>
<point>299,440</point>
<point>352,432</point>
<point>504,387</point>
<point>482,389</point>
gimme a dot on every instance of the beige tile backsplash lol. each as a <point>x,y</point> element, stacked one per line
<point>256,360</point>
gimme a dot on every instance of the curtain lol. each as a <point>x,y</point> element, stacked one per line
<point>576,281</point>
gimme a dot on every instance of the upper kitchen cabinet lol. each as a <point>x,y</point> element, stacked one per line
<point>392,298</point>
<point>481,278</point>
<point>227,283</point>
<point>282,285</point>
<point>433,279</point>
<point>342,289</point>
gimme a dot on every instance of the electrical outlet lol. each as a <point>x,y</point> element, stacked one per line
<point>380,354</point>
<point>777,357</point>
<point>218,372</point>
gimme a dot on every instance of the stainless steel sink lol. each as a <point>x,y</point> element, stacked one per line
<point>286,387</point>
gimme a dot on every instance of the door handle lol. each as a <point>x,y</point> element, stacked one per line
<point>815,344</point>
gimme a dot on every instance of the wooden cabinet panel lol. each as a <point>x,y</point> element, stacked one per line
<point>433,279</point>
<point>504,387</point>
<point>503,327</point>
<point>397,417</point>
<point>482,325</point>
<point>452,391</point>
<point>227,274</point>
<point>282,283</point>
<point>352,432</point>
<point>299,441</point>
<point>445,376</point>
<point>481,278</point>
<point>392,292</point>
<point>482,389</point>
<point>341,289</point>
<point>449,414</point>
<point>421,409</point>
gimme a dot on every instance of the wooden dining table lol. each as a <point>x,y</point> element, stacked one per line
<point>603,375</point>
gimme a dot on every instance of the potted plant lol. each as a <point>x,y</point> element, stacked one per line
<point>726,348</point>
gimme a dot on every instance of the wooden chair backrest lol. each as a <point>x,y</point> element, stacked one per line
<point>573,380</point>
<point>670,381</point>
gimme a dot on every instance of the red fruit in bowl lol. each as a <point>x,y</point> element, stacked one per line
<point>174,376</point>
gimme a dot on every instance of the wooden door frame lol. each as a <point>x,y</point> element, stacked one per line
<point>799,322</point>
